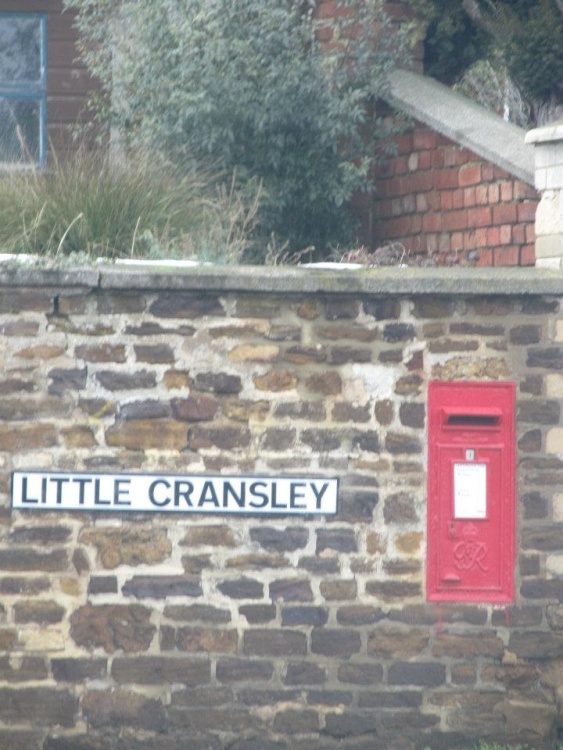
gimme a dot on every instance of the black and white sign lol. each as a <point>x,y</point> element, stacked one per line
<point>173,493</point>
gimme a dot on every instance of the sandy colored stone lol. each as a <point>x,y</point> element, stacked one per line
<point>129,546</point>
<point>254,353</point>
<point>40,352</point>
<point>554,441</point>
<point>472,369</point>
<point>410,542</point>
<point>147,434</point>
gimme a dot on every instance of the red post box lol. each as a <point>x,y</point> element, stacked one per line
<point>471,492</point>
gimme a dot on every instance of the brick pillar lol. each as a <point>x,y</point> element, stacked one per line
<point>548,142</point>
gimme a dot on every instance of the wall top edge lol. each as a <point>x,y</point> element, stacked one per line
<point>295,280</point>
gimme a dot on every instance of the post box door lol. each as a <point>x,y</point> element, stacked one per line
<point>471,492</point>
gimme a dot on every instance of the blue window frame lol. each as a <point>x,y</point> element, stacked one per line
<point>23,88</point>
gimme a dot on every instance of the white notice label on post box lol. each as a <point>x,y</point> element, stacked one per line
<point>470,490</point>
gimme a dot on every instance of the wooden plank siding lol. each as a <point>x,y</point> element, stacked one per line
<point>68,81</point>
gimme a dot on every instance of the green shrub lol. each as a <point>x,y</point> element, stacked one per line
<point>142,208</point>
<point>248,86</point>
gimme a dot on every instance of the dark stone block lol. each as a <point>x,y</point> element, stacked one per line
<point>341,540</point>
<point>244,670</point>
<point>41,706</point>
<point>118,708</point>
<point>158,670</point>
<point>242,588</point>
<point>160,587</point>
<point>182,305</point>
<point>424,674</point>
<point>274,643</point>
<point>292,616</point>
<point>336,643</point>
<point>78,670</point>
<point>291,590</point>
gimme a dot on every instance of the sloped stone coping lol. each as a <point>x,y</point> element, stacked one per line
<point>463,121</point>
<point>295,279</point>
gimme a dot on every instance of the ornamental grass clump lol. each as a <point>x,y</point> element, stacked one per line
<point>91,205</point>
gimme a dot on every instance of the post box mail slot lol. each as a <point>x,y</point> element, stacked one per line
<point>471,492</point>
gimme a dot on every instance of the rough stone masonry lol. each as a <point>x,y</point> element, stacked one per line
<point>208,632</point>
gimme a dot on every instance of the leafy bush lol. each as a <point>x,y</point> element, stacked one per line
<point>88,205</point>
<point>249,87</point>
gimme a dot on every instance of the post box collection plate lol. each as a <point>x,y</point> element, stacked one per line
<point>471,491</point>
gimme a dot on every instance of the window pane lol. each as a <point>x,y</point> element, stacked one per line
<point>20,50</point>
<point>20,125</point>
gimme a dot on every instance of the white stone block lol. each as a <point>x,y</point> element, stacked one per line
<point>554,385</point>
<point>554,177</point>
<point>549,215</point>
<point>549,246</point>
<point>554,441</point>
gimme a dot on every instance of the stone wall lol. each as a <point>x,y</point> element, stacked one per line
<point>273,633</point>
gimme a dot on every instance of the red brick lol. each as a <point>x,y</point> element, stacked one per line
<point>527,255</point>
<point>469,197</point>
<point>420,182</point>
<point>446,200</point>
<point>432,243</point>
<point>444,243</point>
<point>519,234</point>
<point>404,143</point>
<point>456,241</point>
<point>394,187</point>
<point>446,178</point>
<point>416,224</point>
<point>408,204</point>
<point>481,195</point>
<point>438,159</point>
<point>506,191</point>
<point>479,217</point>
<point>487,172</point>
<point>424,139</point>
<point>485,258</point>
<point>506,256</point>
<point>399,227</point>
<point>527,211</point>
<point>504,213</point>
<point>453,220</point>
<point>481,237</point>
<point>422,202</point>
<point>457,199</point>
<point>432,222</point>
<point>425,159</point>
<point>530,233</point>
<point>524,192</point>
<point>451,156</point>
<point>493,236</point>
<point>506,234</point>
<point>494,193</point>
<point>401,165</point>
<point>469,240</point>
<point>470,174</point>
<point>498,173</point>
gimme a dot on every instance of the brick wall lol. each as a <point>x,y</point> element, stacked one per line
<point>439,198</point>
<point>166,633</point>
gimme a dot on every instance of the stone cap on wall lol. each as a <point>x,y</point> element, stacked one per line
<point>339,279</point>
<point>463,121</point>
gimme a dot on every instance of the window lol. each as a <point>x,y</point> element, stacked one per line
<point>23,88</point>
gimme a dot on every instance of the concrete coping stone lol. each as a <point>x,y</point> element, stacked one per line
<point>463,121</point>
<point>295,279</point>
<point>547,134</point>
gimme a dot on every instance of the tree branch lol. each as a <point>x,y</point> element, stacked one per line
<point>471,7</point>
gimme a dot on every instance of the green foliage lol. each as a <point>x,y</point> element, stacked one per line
<point>523,36</point>
<point>91,207</point>
<point>248,87</point>
<point>452,43</point>
<point>532,46</point>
